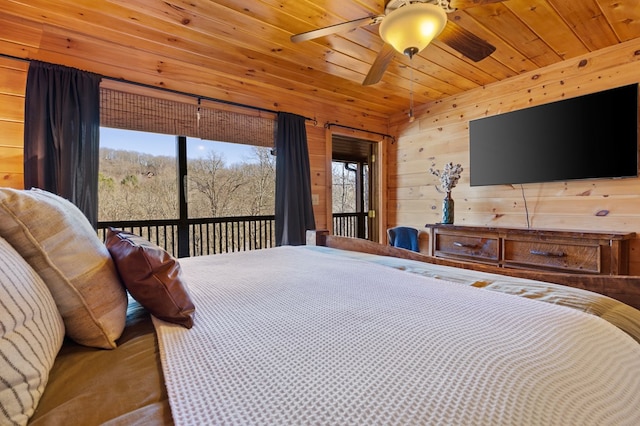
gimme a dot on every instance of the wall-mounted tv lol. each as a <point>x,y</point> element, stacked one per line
<point>588,137</point>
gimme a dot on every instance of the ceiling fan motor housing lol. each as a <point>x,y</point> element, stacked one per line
<point>410,26</point>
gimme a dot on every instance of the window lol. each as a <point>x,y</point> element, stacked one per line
<point>137,176</point>
<point>227,183</point>
<point>228,179</point>
<point>344,187</point>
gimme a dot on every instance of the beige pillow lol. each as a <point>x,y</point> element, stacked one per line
<point>58,241</point>
<point>31,334</point>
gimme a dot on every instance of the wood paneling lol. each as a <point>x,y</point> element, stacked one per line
<point>13,77</point>
<point>316,139</point>
<point>440,134</point>
<point>11,171</point>
<point>240,51</point>
<point>232,50</point>
<point>11,133</point>
<point>11,108</point>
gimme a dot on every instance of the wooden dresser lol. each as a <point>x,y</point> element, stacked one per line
<point>605,253</point>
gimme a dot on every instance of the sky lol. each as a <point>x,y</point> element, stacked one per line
<point>157,144</point>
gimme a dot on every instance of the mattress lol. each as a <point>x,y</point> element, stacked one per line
<point>298,336</point>
<point>619,314</point>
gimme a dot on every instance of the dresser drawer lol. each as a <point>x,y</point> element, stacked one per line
<point>566,251</point>
<point>476,247</point>
<point>561,256</point>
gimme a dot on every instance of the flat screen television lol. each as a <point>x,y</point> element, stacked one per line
<point>588,137</point>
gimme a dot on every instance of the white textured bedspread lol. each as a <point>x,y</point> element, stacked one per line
<point>293,336</point>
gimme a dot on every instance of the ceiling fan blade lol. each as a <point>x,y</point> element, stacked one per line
<point>380,65</point>
<point>337,28</point>
<point>464,4</point>
<point>465,42</point>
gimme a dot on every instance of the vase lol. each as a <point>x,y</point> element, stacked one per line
<point>447,209</point>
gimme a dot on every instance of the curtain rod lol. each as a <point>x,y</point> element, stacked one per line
<point>177,92</point>
<point>328,125</point>
<point>199,97</point>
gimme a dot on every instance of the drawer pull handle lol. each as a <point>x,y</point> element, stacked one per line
<point>547,253</point>
<point>465,245</point>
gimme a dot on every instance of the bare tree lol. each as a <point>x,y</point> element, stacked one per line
<point>343,188</point>
<point>259,192</point>
<point>210,178</point>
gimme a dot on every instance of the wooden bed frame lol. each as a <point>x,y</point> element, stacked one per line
<point>624,288</point>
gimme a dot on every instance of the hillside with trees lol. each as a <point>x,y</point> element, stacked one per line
<point>138,186</point>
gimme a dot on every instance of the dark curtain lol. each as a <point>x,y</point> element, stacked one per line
<point>294,210</point>
<point>61,136</point>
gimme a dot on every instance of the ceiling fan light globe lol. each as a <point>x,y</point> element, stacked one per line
<point>413,26</point>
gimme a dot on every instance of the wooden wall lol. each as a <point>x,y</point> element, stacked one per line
<point>441,134</point>
<point>13,76</point>
<point>118,59</point>
<point>438,135</point>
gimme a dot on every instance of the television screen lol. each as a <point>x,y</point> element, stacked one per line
<point>590,136</point>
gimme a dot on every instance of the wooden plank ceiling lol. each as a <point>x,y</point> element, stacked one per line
<point>241,51</point>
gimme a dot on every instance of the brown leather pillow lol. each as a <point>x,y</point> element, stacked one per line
<point>152,276</point>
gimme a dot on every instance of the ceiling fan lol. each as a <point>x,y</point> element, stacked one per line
<point>408,26</point>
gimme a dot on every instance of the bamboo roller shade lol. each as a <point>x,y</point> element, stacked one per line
<point>192,118</point>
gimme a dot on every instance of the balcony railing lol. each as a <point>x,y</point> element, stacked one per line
<point>350,225</point>
<point>204,236</point>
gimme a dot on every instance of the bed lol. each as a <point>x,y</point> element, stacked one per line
<point>320,334</point>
